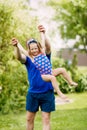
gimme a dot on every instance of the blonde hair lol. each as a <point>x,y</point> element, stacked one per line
<point>38,45</point>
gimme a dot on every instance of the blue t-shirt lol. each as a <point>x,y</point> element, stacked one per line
<point>36,83</point>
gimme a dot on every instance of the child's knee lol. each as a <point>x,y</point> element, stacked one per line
<point>63,70</point>
<point>53,78</point>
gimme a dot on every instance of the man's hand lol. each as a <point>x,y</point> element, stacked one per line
<point>41,28</point>
<point>14,41</point>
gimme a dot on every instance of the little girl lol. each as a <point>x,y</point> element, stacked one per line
<point>37,54</point>
<point>43,64</point>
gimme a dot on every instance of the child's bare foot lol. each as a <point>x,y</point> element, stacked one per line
<point>74,84</point>
<point>65,98</point>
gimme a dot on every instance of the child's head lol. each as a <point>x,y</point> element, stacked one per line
<point>34,47</point>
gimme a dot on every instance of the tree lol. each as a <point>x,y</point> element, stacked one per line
<point>71,16</point>
<point>15,21</point>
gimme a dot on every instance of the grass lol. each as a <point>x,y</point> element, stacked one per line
<point>82,69</point>
<point>70,116</point>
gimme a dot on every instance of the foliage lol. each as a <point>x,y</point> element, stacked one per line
<point>82,84</point>
<point>71,16</point>
<point>14,88</point>
<point>15,21</point>
<point>75,74</point>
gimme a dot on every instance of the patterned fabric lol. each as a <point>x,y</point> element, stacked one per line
<point>36,83</point>
<point>43,64</point>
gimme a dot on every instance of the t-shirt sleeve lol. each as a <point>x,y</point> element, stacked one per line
<point>28,61</point>
<point>49,56</point>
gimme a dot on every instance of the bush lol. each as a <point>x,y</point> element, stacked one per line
<point>75,74</point>
<point>82,84</point>
<point>14,87</point>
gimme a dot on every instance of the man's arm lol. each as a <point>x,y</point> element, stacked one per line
<point>45,39</point>
<point>21,57</point>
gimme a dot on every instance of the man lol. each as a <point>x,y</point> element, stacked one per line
<point>42,97</point>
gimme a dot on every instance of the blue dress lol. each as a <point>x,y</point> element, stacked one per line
<point>43,64</point>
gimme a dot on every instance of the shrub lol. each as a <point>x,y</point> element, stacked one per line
<point>14,87</point>
<point>75,74</point>
<point>82,84</point>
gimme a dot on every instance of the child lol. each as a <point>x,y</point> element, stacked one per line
<point>43,64</point>
<point>37,53</point>
<point>57,71</point>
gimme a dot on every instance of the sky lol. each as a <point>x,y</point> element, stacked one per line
<point>45,14</point>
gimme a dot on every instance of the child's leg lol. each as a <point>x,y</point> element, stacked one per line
<point>64,73</point>
<point>54,83</point>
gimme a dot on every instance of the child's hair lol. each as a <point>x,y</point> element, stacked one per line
<point>30,41</point>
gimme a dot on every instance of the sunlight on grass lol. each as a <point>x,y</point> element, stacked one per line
<point>13,122</point>
<point>77,101</point>
<point>83,69</point>
<point>69,116</point>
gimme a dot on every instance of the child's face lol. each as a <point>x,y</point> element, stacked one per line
<point>34,49</point>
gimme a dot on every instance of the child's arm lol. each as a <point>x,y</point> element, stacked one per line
<point>45,40</point>
<point>20,46</point>
<point>41,30</point>
<point>42,42</point>
<point>21,57</point>
<point>22,49</point>
<point>47,45</point>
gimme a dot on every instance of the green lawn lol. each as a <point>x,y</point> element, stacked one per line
<point>82,69</point>
<point>70,116</point>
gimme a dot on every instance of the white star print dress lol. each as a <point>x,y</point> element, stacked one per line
<point>43,64</point>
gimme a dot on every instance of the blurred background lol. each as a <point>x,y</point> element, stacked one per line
<point>66,26</point>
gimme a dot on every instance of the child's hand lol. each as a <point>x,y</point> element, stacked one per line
<point>14,41</point>
<point>41,28</point>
